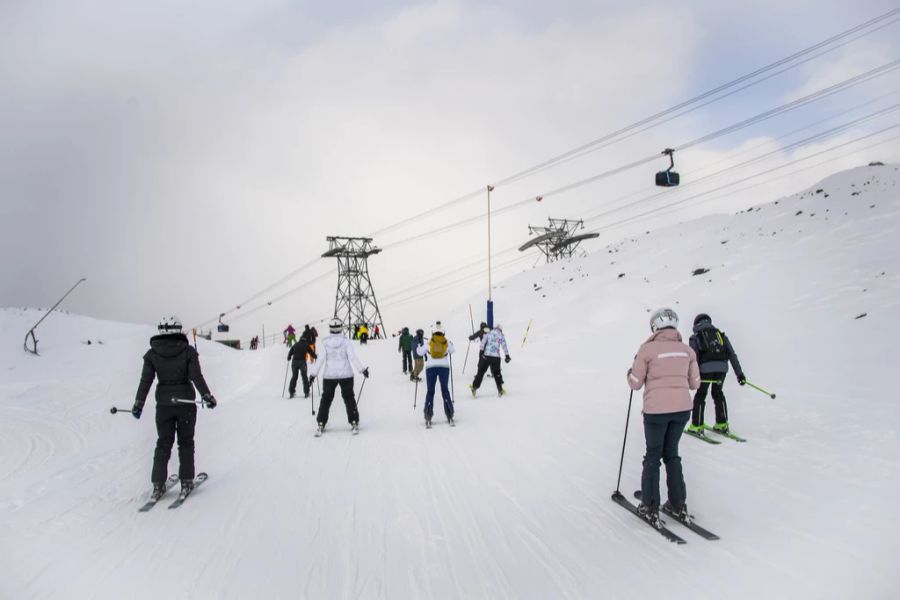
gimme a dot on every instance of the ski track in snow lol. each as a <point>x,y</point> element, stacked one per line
<point>514,502</point>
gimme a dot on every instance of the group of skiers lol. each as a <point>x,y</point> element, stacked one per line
<point>666,367</point>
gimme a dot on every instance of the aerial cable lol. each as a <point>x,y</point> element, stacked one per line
<point>540,166</point>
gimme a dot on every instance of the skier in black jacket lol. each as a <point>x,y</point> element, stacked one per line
<point>714,352</point>
<point>297,355</point>
<point>175,364</point>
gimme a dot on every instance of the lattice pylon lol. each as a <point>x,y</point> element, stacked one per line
<point>354,301</point>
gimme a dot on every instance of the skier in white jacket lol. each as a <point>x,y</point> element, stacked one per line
<point>437,369</point>
<point>338,360</point>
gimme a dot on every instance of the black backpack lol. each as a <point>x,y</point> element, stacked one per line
<point>711,344</point>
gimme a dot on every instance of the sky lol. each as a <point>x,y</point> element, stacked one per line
<point>184,156</point>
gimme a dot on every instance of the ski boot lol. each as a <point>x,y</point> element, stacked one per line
<point>158,490</point>
<point>428,422</point>
<point>721,427</point>
<point>501,392</point>
<point>649,513</point>
<point>451,422</point>
<point>291,395</point>
<point>680,513</point>
<point>473,389</point>
<point>696,429</point>
<point>354,427</point>
<point>187,486</point>
<point>320,429</point>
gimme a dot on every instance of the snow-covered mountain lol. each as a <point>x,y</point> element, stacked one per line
<point>513,502</point>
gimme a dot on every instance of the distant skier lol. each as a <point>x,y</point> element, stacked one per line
<point>174,362</point>
<point>363,334</point>
<point>491,345</point>
<point>714,352</point>
<point>298,355</point>
<point>290,335</point>
<point>414,375</point>
<point>439,349</point>
<point>405,347</point>
<point>483,330</point>
<point>377,333</point>
<point>338,360</point>
<point>669,369</point>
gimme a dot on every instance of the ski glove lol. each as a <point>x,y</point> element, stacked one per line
<point>210,401</point>
<point>507,359</point>
<point>365,372</point>
<point>311,379</point>
<point>136,411</point>
<point>741,379</point>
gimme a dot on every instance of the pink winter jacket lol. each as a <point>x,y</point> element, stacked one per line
<point>669,368</point>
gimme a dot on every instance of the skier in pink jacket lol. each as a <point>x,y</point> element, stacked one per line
<point>667,369</point>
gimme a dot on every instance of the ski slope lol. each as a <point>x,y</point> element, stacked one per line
<point>514,501</point>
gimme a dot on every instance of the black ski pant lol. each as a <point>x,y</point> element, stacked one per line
<point>485,362</point>
<point>172,421</point>
<point>298,366</point>
<point>662,433</point>
<point>328,387</point>
<point>718,395</point>
<point>407,360</point>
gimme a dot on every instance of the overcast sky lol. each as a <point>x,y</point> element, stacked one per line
<point>182,156</point>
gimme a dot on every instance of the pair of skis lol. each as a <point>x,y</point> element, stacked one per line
<point>354,429</point>
<point>700,435</point>
<point>660,526</point>
<point>450,422</point>
<point>171,481</point>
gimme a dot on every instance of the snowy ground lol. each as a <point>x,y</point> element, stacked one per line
<point>514,502</point>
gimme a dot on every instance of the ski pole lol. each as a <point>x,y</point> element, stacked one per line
<point>769,394</point>
<point>452,388</point>
<point>200,403</point>
<point>466,361</point>
<point>115,410</point>
<point>359,399</point>
<point>416,395</point>
<point>312,399</point>
<point>622,459</point>
<point>283,387</point>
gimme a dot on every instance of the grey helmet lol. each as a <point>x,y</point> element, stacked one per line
<point>169,324</point>
<point>663,318</point>
<point>335,325</point>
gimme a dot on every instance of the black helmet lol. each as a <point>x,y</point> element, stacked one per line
<point>702,317</point>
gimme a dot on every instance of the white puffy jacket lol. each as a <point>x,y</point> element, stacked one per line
<point>335,355</point>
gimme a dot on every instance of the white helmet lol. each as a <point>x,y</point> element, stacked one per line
<point>498,327</point>
<point>437,327</point>
<point>335,325</point>
<point>170,324</point>
<point>662,318</point>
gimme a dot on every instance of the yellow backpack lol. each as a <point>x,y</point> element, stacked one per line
<point>437,346</point>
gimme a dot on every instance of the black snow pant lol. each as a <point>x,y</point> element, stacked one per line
<point>298,366</point>
<point>492,362</point>
<point>662,433</point>
<point>328,387</point>
<point>172,421</point>
<point>407,360</point>
<point>718,395</point>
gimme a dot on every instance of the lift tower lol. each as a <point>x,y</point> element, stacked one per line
<point>558,240</point>
<point>354,301</point>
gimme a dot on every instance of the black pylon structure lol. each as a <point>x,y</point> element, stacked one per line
<point>354,301</point>
<point>558,240</point>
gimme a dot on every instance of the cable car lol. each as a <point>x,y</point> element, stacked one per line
<point>668,178</point>
<point>222,327</point>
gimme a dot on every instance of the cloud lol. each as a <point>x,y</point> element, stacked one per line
<point>183,156</point>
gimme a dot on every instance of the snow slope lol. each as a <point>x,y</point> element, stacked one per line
<point>514,502</point>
